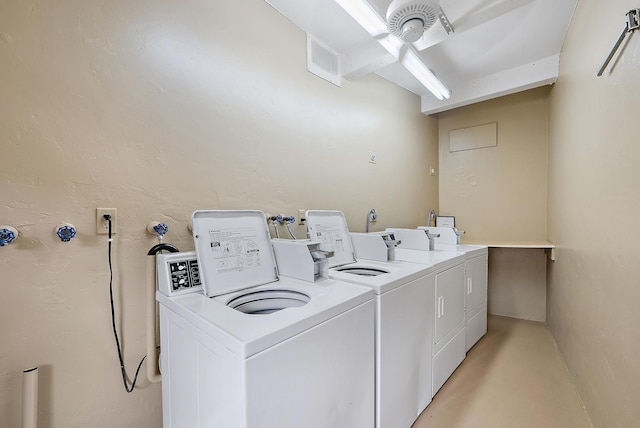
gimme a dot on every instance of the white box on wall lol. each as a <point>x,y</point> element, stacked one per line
<point>473,137</point>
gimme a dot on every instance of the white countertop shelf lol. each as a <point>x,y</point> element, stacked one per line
<point>545,245</point>
<point>513,244</point>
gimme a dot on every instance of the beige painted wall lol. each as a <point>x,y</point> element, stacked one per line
<point>593,213</point>
<point>517,283</point>
<point>498,193</point>
<point>159,109</point>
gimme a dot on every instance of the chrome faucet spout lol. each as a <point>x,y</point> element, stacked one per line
<point>432,239</point>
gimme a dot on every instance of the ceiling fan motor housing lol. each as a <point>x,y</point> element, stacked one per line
<point>409,19</point>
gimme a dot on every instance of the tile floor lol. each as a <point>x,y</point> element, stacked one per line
<point>514,377</point>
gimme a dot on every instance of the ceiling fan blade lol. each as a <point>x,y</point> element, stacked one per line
<point>502,8</point>
<point>365,59</point>
<point>363,13</point>
<point>468,21</point>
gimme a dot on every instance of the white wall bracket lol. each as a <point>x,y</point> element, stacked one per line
<point>632,24</point>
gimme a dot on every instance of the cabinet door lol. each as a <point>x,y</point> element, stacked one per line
<point>475,282</point>
<point>449,304</point>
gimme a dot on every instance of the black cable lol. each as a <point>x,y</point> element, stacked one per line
<point>113,324</point>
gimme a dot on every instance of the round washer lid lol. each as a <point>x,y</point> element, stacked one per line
<point>233,249</point>
<point>331,230</point>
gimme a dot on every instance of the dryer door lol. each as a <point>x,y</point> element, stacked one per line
<point>449,301</point>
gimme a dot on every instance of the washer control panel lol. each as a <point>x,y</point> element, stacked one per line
<point>178,273</point>
<point>184,275</point>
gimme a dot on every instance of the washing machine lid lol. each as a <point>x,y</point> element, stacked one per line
<point>233,249</point>
<point>331,230</point>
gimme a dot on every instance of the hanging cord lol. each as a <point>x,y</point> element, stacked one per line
<point>113,322</point>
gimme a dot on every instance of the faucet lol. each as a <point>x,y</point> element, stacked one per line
<point>392,243</point>
<point>371,216</point>
<point>432,215</point>
<point>432,239</point>
<point>458,233</point>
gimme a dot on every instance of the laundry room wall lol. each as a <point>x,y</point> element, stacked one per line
<point>499,193</point>
<point>593,213</point>
<point>158,108</point>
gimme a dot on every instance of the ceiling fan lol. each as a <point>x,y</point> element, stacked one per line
<point>401,33</point>
<point>409,20</point>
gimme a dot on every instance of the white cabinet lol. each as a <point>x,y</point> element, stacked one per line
<point>475,299</point>
<point>449,323</point>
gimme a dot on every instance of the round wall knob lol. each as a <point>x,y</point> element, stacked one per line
<point>7,235</point>
<point>66,231</point>
<point>157,228</point>
<point>373,215</point>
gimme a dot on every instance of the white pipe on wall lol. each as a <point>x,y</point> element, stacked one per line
<point>152,356</point>
<point>30,398</point>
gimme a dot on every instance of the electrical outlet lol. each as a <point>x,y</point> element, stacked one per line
<point>102,225</point>
<point>432,170</point>
<point>301,216</point>
<point>373,158</point>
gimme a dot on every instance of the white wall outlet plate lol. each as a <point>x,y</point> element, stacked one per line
<point>102,225</point>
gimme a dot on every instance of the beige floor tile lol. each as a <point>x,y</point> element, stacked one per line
<point>513,378</point>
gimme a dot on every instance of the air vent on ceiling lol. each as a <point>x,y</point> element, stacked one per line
<point>322,61</point>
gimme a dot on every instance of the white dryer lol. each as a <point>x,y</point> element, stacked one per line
<point>476,280</point>
<point>451,298</point>
<point>403,325</point>
<point>251,350</point>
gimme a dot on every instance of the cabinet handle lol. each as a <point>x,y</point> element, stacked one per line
<point>469,285</point>
<point>440,306</point>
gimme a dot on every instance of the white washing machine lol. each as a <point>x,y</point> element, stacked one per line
<point>251,350</point>
<point>404,312</point>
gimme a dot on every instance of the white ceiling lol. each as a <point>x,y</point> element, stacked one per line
<point>499,47</point>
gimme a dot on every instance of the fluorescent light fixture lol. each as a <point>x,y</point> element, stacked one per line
<point>412,62</point>
<point>369,19</point>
